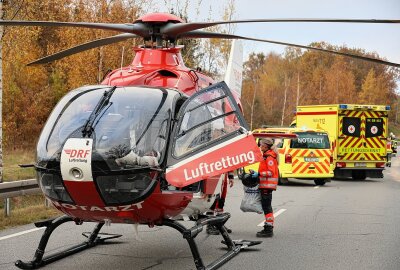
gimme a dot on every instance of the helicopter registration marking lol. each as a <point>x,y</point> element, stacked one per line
<point>120,208</point>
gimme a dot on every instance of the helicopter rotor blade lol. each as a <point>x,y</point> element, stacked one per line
<point>139,29</point>
<point>205,34</point>
<point>172,30</point>
<point>187,30</point>
<point>82,47</point>
<point>177,29</point>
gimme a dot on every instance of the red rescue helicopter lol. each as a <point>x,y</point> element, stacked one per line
<point>153,143</point>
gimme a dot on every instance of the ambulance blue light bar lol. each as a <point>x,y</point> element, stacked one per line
<point>342,106</point>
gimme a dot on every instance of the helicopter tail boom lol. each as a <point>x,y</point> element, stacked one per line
<point>234,70</point>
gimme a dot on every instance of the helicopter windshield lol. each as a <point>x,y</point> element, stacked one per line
<point>129,132</point>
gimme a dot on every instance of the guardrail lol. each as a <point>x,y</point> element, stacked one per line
<point>17,188</point>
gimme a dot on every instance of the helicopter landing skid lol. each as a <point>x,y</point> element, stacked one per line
<point>234,246</point>
<point>244,243</point>
<point>94,238</point>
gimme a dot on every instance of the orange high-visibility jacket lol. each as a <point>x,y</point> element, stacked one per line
<point>268,171</point>
<point>388,145</point>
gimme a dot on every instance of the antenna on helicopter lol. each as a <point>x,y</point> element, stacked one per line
<point>122,57</point>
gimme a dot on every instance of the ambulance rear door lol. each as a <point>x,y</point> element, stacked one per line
<point>362,138</point>
<point>311,155</point>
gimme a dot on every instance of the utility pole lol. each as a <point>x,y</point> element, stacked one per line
<point>252,104</point>
<point>397,108</point>
<point>298,89</point>
<point>1,91</point>
<point>320,90</point>
<point>287,84</point>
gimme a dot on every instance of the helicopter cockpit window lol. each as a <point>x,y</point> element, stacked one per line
<point>49,140</point>
<point>206,119</point>
<point>129,132</point>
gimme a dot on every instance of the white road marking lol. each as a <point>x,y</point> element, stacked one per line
<point>21,233</point>
<point>316,187</point>
<point>277,213</point>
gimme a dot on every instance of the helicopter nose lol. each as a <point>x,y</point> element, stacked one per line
<point>76,171</point>
<point>106,188</point>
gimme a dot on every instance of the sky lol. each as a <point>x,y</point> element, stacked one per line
<point>383,38</point>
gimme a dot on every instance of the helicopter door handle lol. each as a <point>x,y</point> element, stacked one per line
<point>193,75</point>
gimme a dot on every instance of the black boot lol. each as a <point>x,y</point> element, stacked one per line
<point>268,231</point>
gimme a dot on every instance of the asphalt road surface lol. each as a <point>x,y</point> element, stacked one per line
<point>345,224</point>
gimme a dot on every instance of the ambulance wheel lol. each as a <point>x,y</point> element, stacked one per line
<point>282,181</point>
<point>319,182</point>
<point>358,175</point>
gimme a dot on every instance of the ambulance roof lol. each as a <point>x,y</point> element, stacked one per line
<point>286,130</point>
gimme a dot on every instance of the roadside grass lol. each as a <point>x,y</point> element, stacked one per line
<point>24,209</point>
<point>11,160</point>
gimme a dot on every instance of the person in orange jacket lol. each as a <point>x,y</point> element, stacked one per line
<point>268,175</point>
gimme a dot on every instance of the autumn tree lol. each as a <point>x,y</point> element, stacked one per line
<point>31,92</point>
<point>1,92</point>
<point>191,48</point>
<point>215,51</point>
<point>311,78</point>
<point>340,83</point>
<point>253,69</point>
<point>210,55</point>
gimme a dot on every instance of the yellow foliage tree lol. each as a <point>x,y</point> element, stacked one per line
<point>31,92</point>
<point>312,78</point>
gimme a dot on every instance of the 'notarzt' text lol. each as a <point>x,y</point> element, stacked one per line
<point>122,208</point>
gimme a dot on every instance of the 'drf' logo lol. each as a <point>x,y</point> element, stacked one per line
<point>73,153</point>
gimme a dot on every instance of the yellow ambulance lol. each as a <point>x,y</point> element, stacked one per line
<point>309,157</point>
<point>359,135</point>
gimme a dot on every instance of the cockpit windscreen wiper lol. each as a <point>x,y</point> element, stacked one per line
<point>103,102</point>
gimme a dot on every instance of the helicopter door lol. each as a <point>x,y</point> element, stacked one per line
<point>210,138</point>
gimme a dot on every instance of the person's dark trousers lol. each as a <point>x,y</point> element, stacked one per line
<point>266,200</point>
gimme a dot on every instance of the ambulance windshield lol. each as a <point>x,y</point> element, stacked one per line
<point>310,140</point>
